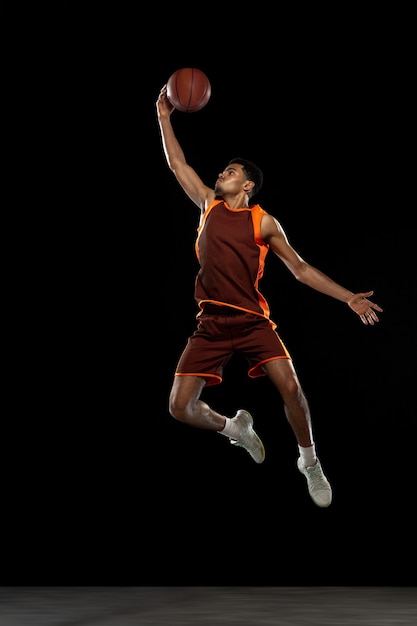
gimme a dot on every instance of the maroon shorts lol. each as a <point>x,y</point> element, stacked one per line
<point>218,337</point>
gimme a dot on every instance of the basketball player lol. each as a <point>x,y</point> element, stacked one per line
<point>233,239</point>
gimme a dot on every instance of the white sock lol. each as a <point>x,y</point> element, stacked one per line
<point>308,455</point>
<point>230,429</point>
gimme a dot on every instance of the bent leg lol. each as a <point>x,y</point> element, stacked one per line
<point>185,404</point>
<point>282,374</point>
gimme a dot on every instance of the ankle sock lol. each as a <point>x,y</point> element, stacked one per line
<point>230,429</point>
<point>308,455</point>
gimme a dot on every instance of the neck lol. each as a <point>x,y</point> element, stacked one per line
<point>238,201</point>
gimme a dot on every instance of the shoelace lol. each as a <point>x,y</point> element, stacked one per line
<point>317,479</point>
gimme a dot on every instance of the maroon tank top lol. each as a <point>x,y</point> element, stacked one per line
<point>232,255</point>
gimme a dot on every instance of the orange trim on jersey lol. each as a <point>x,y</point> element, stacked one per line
<point>202,222</point>
<point>257,214</point>
<point>231,306</point>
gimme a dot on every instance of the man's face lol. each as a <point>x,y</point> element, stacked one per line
<point>231,180</point>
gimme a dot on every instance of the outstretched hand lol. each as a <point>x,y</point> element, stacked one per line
<point>363,307</point>
<point>164,107</point>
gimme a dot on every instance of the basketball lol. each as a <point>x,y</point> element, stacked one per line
<point>188,89</point>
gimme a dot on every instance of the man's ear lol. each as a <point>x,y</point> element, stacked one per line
<point>248,186</point>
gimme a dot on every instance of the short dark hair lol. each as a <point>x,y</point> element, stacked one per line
<point>252,172</point>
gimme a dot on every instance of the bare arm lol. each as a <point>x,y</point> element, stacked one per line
<point>273,234</point>
<point>189,180</point>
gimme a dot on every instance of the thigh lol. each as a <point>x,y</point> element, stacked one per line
<point>186,390</point>
<point>282,374</point>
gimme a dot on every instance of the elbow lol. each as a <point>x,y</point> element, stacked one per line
<point>301,273</point>
<point>173,164</point>
<point>301,278</point>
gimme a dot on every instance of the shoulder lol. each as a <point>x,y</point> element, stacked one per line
<point>256,208</point>
<point>270,226</point>
<point>262,215</point>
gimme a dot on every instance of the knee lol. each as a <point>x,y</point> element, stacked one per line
<point>293,390</point>
<point>179,410</point>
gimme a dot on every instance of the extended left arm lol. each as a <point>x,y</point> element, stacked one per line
<point>307,274</point>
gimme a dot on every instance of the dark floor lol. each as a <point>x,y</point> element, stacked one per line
<point>206,606</point>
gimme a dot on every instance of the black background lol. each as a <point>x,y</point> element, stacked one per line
<point>101,486</point>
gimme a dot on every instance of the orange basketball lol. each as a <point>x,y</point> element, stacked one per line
<point>188,89</point>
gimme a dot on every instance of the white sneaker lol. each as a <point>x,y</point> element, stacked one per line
<point>248,439</point>
<point>318,486</point>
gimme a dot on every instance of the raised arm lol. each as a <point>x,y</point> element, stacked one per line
<point>273,234</point>
<point>189,180</point>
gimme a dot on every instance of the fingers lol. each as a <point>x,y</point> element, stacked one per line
<point>369,317</point>
<point>376,307</point>
<point>162,93</point>
<point>372,307</point>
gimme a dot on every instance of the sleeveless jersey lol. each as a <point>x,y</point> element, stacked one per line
<point>231,255</point>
